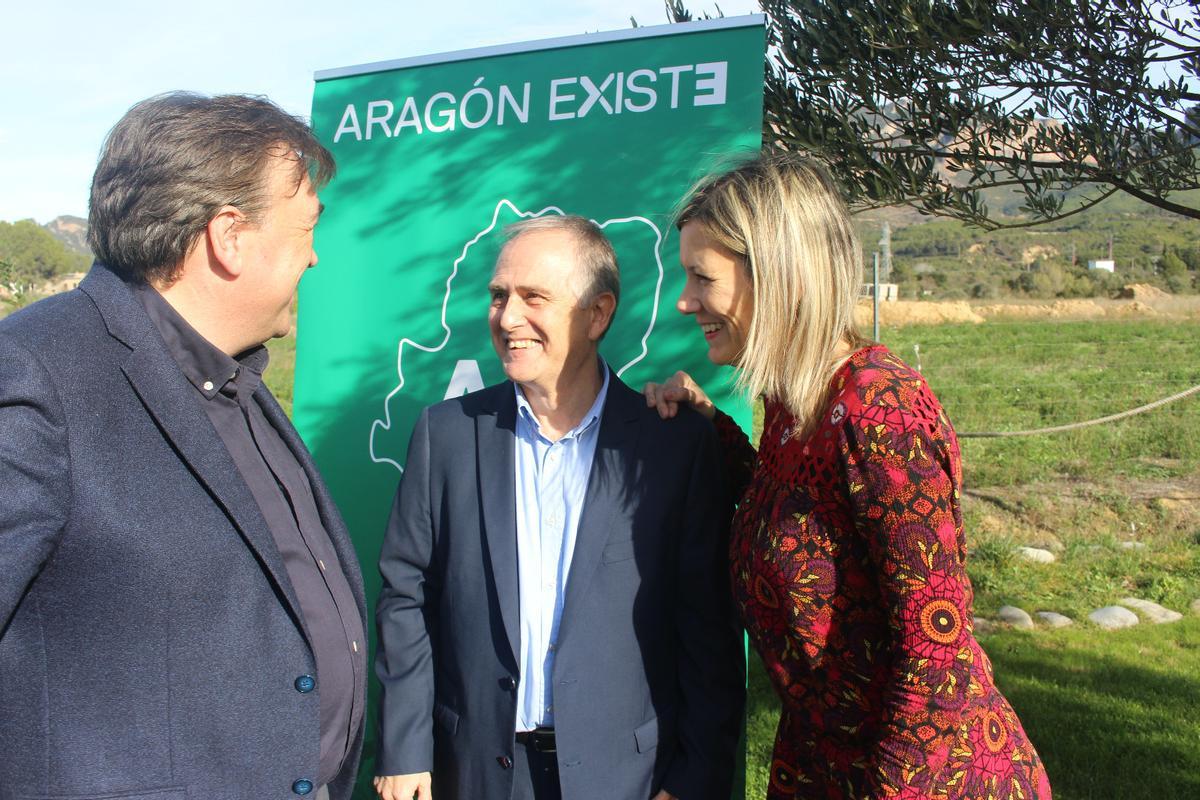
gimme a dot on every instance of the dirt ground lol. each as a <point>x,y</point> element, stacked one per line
<point>1136,300</point>
<point>1039,514</point>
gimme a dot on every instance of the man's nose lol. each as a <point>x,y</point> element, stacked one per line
<point>512,314</point>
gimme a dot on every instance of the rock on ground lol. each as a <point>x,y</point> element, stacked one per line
<point>1111,618</point>
<point>1152,611</point>
<point>1036,555</point>
<point>1048,541</point>
<point>985,626</point>
<point>1015,617</point>
<point>1054,619</point>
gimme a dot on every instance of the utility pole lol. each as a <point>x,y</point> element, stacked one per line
<point>885,247</point>
<point>875,294</point>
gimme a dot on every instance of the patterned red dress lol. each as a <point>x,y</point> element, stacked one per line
<point>848,567</point>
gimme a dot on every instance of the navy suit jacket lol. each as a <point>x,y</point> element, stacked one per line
<point>648,678</point>
<point>149,637</point>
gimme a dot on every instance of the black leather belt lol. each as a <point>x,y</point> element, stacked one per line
<point>540,739</point>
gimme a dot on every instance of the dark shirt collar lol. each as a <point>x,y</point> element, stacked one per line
<point>209,369</point>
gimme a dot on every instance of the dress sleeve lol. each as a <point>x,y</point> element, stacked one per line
<point>903,475</point>
<point>737,453</point>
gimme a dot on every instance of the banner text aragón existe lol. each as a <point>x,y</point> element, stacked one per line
<point>571,97</point>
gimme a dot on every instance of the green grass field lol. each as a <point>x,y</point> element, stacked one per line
<point>1002,376</point>
<point>281,372</point>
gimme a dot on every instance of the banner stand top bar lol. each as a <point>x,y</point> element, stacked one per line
<point>648,32</point>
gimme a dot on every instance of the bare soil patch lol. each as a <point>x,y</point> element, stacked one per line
<point>1138,301</point>
<point>1046,514</point>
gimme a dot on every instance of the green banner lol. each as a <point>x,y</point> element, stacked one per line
<point>435,157</point>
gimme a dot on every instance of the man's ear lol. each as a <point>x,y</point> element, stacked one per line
<point>224,239</point>
<point>602,309</point>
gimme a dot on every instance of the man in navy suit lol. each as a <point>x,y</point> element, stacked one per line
<point>181,612</point>
<point>555,620</point>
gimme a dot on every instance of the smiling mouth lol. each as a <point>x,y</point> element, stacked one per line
<point>522,344</point>
<point>710,327</point>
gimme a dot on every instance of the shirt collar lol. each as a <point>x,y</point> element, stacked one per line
<point>205,365</point>
<point>525,411</point>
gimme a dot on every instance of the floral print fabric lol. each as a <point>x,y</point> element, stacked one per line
<point>848,566</point>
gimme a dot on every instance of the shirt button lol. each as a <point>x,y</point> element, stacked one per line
<point>507,683</point>
<point>504,761</point>
<point>208,386</point>
<point>302,786</point>
<point>354,645</point>
<point>305,684</point>
<point>553,647</point>
<point>550,709</point>
<point>321,564</point>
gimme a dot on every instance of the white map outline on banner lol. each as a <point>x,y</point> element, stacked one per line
<point>386,422</point>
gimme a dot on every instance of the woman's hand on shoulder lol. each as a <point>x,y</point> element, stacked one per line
<point>679,388</point>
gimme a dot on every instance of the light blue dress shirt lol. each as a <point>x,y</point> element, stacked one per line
<point>551,483</point>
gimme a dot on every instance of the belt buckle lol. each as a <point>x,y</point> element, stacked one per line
<point>543,740</point>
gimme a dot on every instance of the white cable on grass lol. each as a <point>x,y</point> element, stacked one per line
<point>1074,425</point>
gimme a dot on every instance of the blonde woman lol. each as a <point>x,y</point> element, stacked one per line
<point>847,549</point>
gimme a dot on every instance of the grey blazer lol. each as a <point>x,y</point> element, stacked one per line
<point>648,676</point>
<point>150,641</point>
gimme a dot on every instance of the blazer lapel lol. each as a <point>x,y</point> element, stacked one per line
<point>610,484</point>
<point>171,401</point>
<point>172,404</point>
<point>495,434</point>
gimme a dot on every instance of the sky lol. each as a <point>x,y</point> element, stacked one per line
<point>70,70</point>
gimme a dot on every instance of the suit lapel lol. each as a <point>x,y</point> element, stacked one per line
<point>172,404</point>
<point>495,435</point>
<point>609,485</point>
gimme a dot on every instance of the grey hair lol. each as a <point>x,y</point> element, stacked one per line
<point>595,251</point>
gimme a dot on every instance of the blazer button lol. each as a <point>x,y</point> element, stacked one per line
<point>305,684</point>
<point>504,761</point>
<point>302,786</point>
<point>507,683</point>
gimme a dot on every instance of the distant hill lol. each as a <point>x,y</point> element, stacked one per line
<point>71,231</point>
<point>33,255</point>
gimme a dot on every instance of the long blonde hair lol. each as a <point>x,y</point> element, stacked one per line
<point>783,216</point>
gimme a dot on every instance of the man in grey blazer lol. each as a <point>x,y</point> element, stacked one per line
<point>181,612</point>
<point>555,620</point>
